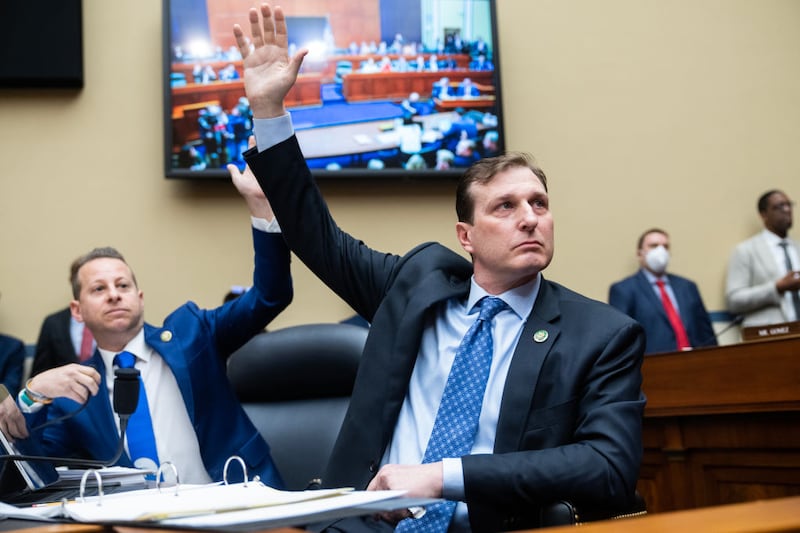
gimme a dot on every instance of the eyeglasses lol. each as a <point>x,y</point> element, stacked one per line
<point>783,206</point>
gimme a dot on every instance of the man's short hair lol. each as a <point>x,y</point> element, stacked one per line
<point>648,232</point>
<point>483,171</point>
<point>763,200</point>
<point>97,253</point>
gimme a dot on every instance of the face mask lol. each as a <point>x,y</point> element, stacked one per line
<point>657,259</point>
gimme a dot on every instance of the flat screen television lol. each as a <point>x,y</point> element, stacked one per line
<point>389,89</point>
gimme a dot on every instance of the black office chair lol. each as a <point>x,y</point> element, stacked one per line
<point>562,513</point>
<point>295,385</point>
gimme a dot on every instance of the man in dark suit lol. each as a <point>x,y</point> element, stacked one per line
<point>562,409</point>
<point>59,342</point>
<point>197,421</point>
<point>640,297</point>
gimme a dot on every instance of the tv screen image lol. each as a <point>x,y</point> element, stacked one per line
<point>389,88</point>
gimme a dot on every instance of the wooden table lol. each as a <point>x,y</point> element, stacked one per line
<point>722,425</point>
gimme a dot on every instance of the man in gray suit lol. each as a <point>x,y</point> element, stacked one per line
<point>764,271</point>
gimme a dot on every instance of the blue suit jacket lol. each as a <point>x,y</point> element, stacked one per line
<point>12,360</point>
<point>570,420</point>
<point>195,343</point>
<point>635,297</point>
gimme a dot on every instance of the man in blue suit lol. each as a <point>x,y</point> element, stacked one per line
<point>196,418</point>
<point>639,296</point>
<point>561,412</point>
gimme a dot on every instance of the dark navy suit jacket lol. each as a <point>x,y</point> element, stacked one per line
<point>195,343</point>
<point>570,420</point>
<point>12,360</point>
<point>635,297</point>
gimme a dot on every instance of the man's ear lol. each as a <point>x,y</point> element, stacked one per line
<point>75,310</point>
<point>463,230</point>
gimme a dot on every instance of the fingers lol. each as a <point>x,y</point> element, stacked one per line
<point>255,25</point>
<point>12,422</point>
<point>281,37</point>
<point>242,42</point>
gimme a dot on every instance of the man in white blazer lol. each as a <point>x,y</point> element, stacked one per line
<point>764,271</point>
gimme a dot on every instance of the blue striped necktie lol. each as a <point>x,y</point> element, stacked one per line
<point>141,440</point>
<point>456,421</point>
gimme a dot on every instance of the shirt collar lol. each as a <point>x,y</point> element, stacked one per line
<point>519,299</point>
<point>136,346</point>
<point>652,278</point>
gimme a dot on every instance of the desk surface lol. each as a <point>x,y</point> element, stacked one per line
<point>780,515</point>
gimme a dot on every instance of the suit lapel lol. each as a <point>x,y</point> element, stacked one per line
<point>765,257</point>
<point>537,339</point>
<point>165,342</point>
<point>646,289</point>
<point>399,359</point>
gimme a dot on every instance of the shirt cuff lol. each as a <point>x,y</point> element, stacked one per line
<point>452,479</point>
<point>270,132</point>
<point>267,226</point>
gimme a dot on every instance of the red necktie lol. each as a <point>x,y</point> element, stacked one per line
<point>674,318</point>
<point>86,345</point>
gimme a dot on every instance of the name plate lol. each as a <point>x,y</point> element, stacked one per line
<point>772,331</point>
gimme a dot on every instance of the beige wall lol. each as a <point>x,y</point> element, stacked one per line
<point>643,113</point>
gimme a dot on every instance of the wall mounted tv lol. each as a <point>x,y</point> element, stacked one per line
<point>389,89</point>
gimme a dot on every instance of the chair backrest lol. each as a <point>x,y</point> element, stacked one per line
<point>295,385</point>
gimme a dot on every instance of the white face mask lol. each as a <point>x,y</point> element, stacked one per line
<point>657,259</point>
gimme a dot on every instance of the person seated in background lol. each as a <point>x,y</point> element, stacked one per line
<point>463,127</point>
<point>419,63</point>
<point>441,89</point>
<point>228,73</point>
<point>555,411</point>
<point>467,89</point>
<point>369,66</point>
<point>490,144</point>
<point>414,106</point>
<point>401,65</point>
<point>433,63</point>
<point>385,64</point>
<point>416,162</point>
<point>444,159</point>
<point>669,307</point>
<point>12,363</point>
<point>62,340</point>
<point>465,152</point>
<point>197,422</point>
<point>481,63</point>
<point>763,281</point>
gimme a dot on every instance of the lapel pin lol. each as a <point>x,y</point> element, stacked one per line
<point>540,336</point>
<point>166,336</point>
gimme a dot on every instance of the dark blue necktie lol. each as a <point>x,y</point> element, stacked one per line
<point>456,421</point>
<point>141,440</point>
<point>794,294</point>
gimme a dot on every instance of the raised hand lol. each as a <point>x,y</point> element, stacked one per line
<point>245,182</point>
<point>269,72</point>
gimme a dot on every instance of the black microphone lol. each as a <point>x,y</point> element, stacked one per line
<point>126,398</point>
<point>738,319</point>
<point>126,391</point>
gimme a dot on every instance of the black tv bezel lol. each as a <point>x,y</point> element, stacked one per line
<point>390,174</point>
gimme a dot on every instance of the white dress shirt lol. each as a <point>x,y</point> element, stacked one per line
<point>176,440</point>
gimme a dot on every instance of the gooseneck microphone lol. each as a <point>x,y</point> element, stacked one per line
<point>738,319</point>
<point>126,398</point>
